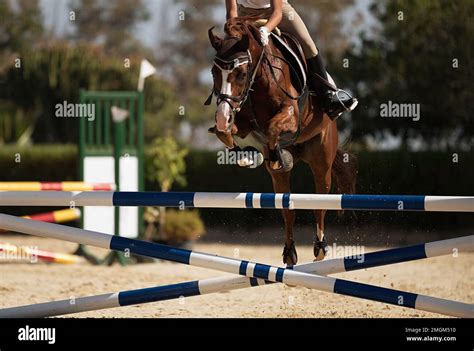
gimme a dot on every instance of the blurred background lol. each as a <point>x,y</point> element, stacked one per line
<point>417,52</point>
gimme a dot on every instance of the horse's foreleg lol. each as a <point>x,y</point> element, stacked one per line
<point>227,137</point>
<point>281,184</point>
<point>284,121</point>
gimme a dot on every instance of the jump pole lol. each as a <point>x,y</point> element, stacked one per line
<point>242,200</point>
<point>240,267</point>
<point>60,216</point>
<point>206,286</point>
<point>29,253</point>
<point>56,186</point>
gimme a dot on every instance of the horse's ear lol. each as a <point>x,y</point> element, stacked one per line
<point>215,40</point>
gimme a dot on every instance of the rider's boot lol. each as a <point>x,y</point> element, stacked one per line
<point>334,103</point>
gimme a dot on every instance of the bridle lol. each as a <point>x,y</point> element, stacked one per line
<point>230,65</point>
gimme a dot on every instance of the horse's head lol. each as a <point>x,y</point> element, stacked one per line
<point>235,66</point>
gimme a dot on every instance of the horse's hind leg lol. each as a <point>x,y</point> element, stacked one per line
<point>321,157</point>
<point>281,184</point>
<point>322,180</point>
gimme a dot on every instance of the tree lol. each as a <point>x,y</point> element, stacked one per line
<point>325,22</point>
<point>422,54</point>
<point>167,166</point>
<point>54,73</point>
<point>20,28</point>
<point>110,23</point>
<point>188,55</point>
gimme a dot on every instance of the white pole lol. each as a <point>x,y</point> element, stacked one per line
<point>240,200</point>
<point>230,265</point>
<point>220,284</point>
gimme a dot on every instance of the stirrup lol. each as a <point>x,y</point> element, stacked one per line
<point>354,104</point>
<point>283,157</point>
<point>334,113</point>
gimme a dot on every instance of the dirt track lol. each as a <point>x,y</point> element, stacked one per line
<point>24,283</point>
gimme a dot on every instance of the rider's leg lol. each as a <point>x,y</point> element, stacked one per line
<point>333,104</point>
<point>293,24</point>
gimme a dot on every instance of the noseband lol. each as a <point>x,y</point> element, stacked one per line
<point>224,64</point>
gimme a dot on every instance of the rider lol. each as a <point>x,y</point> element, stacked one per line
<point>280,13</point>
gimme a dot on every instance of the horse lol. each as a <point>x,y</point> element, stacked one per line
<point>257,95</point>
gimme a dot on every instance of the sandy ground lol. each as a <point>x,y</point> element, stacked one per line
<point>25,283</point>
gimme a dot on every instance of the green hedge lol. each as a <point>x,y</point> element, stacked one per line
<point>38,163</point>
<point>388,172</point>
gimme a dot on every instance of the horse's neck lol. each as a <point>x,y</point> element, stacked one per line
<point>271,75</point>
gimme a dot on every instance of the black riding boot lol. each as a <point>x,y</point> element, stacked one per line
<point>334,103</point>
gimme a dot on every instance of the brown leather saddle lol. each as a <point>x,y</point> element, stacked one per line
<point>294,57</point>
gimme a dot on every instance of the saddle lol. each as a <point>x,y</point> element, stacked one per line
<point>294,57</point>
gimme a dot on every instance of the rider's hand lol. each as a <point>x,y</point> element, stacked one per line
<point>264,34</point>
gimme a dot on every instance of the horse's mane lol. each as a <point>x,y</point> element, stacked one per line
<point>236,27</point>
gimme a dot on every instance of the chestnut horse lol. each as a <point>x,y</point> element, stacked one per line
<point>256,96</point>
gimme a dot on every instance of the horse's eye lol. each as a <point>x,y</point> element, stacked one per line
<point>242,75</point>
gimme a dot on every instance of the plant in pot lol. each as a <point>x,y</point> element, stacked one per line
<point>167,166</point>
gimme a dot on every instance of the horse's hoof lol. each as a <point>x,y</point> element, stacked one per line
<point>290,257</point>
<point>212,130</point>
<point>251,158</point>
<point>320,249</point>
<point>284,163</point>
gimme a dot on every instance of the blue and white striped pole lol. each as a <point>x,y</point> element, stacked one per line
<point>206,286</point>
<point>241,200</point>
<point>246,268</point>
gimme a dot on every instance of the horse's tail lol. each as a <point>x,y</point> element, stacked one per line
<point>344,172</point>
